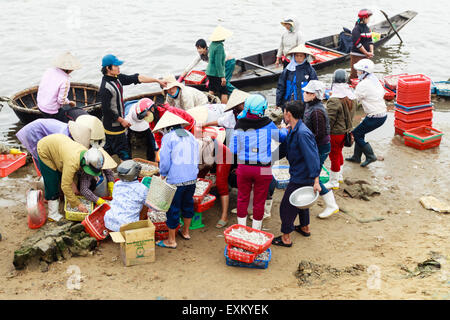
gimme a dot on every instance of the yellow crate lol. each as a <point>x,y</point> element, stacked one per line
<point>77,216</point>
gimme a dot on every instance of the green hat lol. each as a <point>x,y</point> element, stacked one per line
<point>92,161</point>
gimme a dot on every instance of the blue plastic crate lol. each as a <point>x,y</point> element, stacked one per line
<point>433,87</point>
<point>257,264</point>
<point>419,107</point>
<point>281,184</point>
<point>442,92</point>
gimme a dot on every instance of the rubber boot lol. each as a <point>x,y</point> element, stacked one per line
<point>333,183</point>
<point>370,156</point>
<point>257,224</point>
<point>341,176</point>
<point>331,205</point>
<point>357,152</point>
<point>268,208</point>
<point>53,210</point>
<point>242,221</point>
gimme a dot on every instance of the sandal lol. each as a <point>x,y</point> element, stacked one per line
<point>278,241</point>
<point>182,235</point>
<point>161,243</point>
<point>221,224</point>
<point>303,233</point>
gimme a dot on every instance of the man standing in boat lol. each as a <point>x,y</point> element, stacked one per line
<point>362,41</point>
<point>111,97</point>
<point>54,87</point>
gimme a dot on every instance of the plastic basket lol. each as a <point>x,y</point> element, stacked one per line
<point>391,81</point>
<point>411,108</point>
<point>413,116</point>
<point>199,198</point>
<point>159,226</point>
<point>246,245</point>
<point>412,124</point>
<point>78,216</point>
<point>417,144</point>
<point>212,177</point>
<point>160,194</point>
<point>414,89</point>
<point>247,257</point>
<point>187,79</point>
<point>164,234</point>
<point>256,264</point>
<point>281,183</point>
<point>424,133</point>
<point>150,173</point>
<point>440,90</point>
<point>203,206</point>
<point>94,224</point>
<point>11,162</point>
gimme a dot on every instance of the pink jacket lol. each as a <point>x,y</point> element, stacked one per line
<point>53,90</point>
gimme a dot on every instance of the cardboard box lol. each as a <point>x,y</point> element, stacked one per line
<point>137,242</point>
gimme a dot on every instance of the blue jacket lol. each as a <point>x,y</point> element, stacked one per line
<point>178,157</point>
<point>303,74</point>
<point>252,139</point>
<point>302,154</point>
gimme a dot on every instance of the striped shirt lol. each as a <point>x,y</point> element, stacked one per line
<point>361,37</point>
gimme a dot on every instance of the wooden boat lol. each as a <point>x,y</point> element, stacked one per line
<point>25,107</point>
<point>248,75</point>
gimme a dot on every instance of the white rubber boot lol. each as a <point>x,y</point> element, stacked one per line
<point>268,209</point>
<point>331,205</point>
<point>257,224</point>
<point>242,221</point>
<point>333,183</point>
<point>341,177</point>
<point>53,210</point>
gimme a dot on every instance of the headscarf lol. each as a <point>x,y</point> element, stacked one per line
<point>293,64</point>
<point>341,90</point>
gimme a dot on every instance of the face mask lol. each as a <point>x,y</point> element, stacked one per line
<point>176,93</point>
<point>149,118</point>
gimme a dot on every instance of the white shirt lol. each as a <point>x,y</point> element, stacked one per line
<point>370,93</point>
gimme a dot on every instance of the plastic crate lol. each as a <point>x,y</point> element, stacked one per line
<point>413,116</point>
<point>11,162</point>
<point>410,108</point>
<point>159,226</point>
<point>388,94</point>
<point>417,144</point>
<point>399,131</point>
<point>187,81</point>
<point>414,89</point>
<point>203,206</point>
<point>212,177</point>
<point>247,257</point>
<point>412,124</point>
<point>391,81</point>
<point>440,90</point>
<point>246,245</point>
<point>143,174</point>
<point>198,199</point>
<point>94,223</point>
<point>424,133</point>
<point>164,235</point>
<point>257,264</point>
<point>280,183</point>
<point>77,216</point>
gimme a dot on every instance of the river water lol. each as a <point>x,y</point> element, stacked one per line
<point>157,37</point>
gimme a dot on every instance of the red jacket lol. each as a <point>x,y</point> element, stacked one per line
<point>179,112</point>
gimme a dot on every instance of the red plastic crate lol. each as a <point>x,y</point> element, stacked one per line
<point>388,94</point>
<point>424,133</point>
<point>201,207</point>
<point>417,144</point>
<point>413,116</point>
<point>199,199</point>
<point>399,131</point>
<point>391,81</point>
<point>246,245</point>
<point>354,82</point>
<point>94,223</point>
<point>414,90</point>
<point>164,235</point>
<point>186,81</point>
<point>247,257</point>
<point>411,125</point>
<point>11,162</point>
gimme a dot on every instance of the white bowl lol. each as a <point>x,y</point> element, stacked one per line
<point>304,197</point>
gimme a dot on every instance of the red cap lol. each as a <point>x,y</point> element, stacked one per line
<point>364,13</point>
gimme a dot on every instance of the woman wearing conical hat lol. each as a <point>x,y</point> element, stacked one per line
<point>54,87</point>
<point>216,64</point>
<point>181,96</point>
<point>290,39</point>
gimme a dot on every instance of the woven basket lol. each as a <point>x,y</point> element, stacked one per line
<point>160,194</point>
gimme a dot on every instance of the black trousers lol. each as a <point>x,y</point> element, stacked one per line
<point>149,139</point>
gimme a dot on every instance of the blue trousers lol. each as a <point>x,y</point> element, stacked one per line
<point>182,203</point>
<point>367,125</point>
<point>324,151</point>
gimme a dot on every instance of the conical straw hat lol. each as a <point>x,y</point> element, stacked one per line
<point>301,48</point>
<point>172,82</point>
<point>236,97</point>
<point>93,123</point>
<point>220,33</point>
<point>168,120</point>
<point>67,61</point>
<point>80,133</point>
<point>199,113</point>
<point>109,161</point>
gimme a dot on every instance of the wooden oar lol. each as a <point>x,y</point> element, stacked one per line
<point>387,18</point>
<point>256,65</point>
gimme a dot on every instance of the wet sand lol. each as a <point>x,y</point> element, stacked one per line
<point>405,237</point>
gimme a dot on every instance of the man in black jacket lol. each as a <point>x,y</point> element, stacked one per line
<point>111,95</point>
<point>362,41</point>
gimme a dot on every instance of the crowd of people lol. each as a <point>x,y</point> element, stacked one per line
<point>190,137</point>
